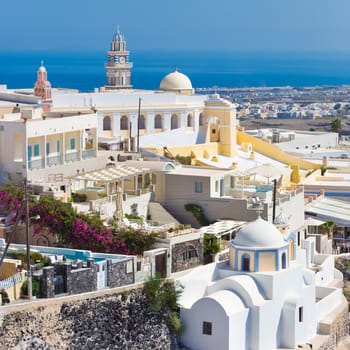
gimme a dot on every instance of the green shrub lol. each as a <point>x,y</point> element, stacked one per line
<point>79,197</point>
<point>163,296</point>
<point>198,213</point>
<point>36,286</point>
<point>175,323</point>
<point>211,244</point>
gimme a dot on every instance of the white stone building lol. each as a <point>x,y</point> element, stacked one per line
<point>270,294</point>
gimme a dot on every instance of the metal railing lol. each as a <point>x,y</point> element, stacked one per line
<point>72,157</point>
<point>54,160</point>
<point>36,164</point>
<point>89,153</point>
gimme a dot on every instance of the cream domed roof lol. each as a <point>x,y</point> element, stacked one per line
<point>259,233</point>
<point>176,81</point>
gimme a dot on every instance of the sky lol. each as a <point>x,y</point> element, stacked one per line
<point>235,25</point>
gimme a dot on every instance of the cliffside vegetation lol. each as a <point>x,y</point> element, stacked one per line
<point>163,296</point>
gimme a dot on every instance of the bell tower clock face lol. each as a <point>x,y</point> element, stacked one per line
<point>122,59</point>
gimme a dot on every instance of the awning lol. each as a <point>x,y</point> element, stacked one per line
<point>327,209</point>
<point>110,174</point>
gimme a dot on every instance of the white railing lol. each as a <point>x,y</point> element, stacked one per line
<point>11,281</point>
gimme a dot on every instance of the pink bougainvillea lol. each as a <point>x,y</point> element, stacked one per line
<point>75,230</point>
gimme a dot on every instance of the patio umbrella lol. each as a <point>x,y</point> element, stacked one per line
<point>242,174</point>
<point>270,171</point>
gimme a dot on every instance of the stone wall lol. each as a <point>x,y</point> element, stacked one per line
<point>120,273</point>
<point>181,256</point>
<point>114,320</point>
<point>337,330</point>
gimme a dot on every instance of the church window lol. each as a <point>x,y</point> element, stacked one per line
<point>124,123</point>
<point>301,316</point>
<point>174,122</point>
<point>189,121</point>
<point>207,328</point>
<point>245,262</point>
<point>284,260</point>
<point>142,122</point>
<point>198,187</point>
<point>216,186</point>
<point>158,124</point>
<point>107,124</point>
<point>201,119</point>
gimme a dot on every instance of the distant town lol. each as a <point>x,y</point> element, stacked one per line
<point>288,107</point>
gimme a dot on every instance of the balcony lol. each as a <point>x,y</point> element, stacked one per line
<point>54,160</point>
<point>36,164</point>
<point>89,153</point>
<point>72,157</point>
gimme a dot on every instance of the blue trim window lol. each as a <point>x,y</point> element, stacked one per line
<point>72,143</point>
<point>58,146</point>
<point>36,150</point>
<point>198,187</point>
<point>245,262</point>
<point>284,260</point>
<point>47,148</point>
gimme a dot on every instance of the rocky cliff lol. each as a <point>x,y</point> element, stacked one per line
<point>114,321</point>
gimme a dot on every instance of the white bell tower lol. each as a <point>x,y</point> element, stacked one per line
<point>118,67</point>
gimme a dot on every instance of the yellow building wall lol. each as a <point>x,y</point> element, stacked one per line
<point>226,129</point>
<point>232,257</point>
<point>274,152</point>
<point>194,151</point>
<point>8,269</point>
<point>267,261</point>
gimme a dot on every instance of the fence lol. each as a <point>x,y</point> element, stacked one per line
<point>11,281</point>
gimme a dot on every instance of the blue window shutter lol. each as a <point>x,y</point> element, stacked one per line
<point>48,148</point>
<point>29,152</point>
<point>36,150</point>
<point>72,143</point>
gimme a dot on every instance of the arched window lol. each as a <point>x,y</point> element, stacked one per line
<point>158,122</point>
<point>245,263</point>
<point>124,123</point>
<point>142,122</point>
<point>174,122</point>
<point>201,119</point>
<point>107,123</point>
<point>192,252</point>
<point>284,260</point>
<point>189,121</point>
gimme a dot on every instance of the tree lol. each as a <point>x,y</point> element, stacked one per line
<point>336,124</point>
<point>329,226</point>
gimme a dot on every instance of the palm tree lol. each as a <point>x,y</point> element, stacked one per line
<point>336,124</point>
<point>329,226</point>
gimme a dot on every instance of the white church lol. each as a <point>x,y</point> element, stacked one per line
<point>272,293</point>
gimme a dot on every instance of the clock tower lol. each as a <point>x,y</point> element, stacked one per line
<point>118,66</point>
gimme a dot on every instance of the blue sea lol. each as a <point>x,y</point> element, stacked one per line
<point>85,70</point>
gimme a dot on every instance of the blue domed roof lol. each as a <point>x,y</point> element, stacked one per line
<point>259,234</point>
